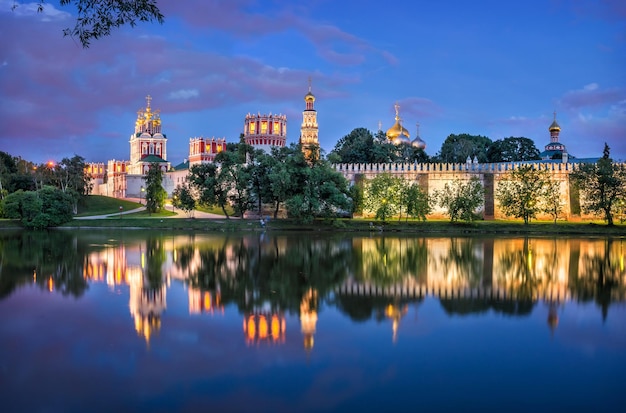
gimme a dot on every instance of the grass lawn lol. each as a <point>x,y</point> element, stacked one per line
<point>102,205</point>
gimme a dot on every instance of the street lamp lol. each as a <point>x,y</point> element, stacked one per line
<point>141,193</point>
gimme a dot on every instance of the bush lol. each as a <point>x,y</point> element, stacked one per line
<point>48,207</point>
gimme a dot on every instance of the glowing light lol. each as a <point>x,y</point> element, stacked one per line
<point>251,328</point>
<point>263,327</point>
<point>275,327</point>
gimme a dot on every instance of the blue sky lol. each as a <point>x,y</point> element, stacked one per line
<point>494,68</point>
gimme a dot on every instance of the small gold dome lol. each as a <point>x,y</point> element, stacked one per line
<point>554,126</point>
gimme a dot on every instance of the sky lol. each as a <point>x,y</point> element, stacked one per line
<point>488,67</point>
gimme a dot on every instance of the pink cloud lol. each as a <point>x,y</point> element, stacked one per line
<point>592,95</point>
<point>419,108</point>
<point>237,19</point>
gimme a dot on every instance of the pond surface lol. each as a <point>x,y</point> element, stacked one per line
<point>160,322</point>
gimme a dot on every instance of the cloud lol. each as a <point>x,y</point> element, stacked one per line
<point>419,108</point>
<point>47,13</point>
<point>592,95</point>
<point>239,18</point>
<point>184,94</point>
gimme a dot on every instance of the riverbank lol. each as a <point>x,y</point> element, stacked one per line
<point>135,221</point>
<point>355,225</point>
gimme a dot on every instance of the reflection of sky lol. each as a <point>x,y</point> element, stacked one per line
<point>66,354</point>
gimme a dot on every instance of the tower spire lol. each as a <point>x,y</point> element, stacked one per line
<point>148,100</point>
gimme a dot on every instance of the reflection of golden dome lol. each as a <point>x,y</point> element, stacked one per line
<point>397,130</point>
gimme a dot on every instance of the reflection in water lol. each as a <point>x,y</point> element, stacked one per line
<point>267,277</point>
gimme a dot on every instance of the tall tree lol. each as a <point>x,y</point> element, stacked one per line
<point>71,178</point>
<point>360,146</point>
<point>512,149</point>
<point>234,173</point>
<point>382,196</point>
<point>155,194</point>
<point>602,184</point>
<point>417,202</point>
<point>182,198</point>
<point>96,18</point>
<point>521,191</point>
<point>457,148</point>
<point>204,180</point>
<point>461,199</point>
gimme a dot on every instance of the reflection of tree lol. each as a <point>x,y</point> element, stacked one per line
<point>464,306</point>
<point>463,261</point>
<point>363,308</point>
<point>391,260</point>
<point>252,272</point>
<point>155,257</point>
<point>601,276</point>
<point>518,264</point>
<point>52,259</point>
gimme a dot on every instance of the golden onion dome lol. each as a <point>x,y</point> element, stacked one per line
<point>396,130</point>
<point>309,96</point>
<point>554,126</point>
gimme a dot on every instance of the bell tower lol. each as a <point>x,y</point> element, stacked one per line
<point>309,129</point>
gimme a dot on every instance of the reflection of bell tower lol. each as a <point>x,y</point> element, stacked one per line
<point>146,306</point>
<point>308,317</point>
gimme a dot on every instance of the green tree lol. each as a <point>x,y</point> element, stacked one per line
<point>96,18</point>
<point>182,198</point>
<point>317,189</point>
<point>461,199</point>
<point>521,192</point>
<point>457,148</point>
<point>551,201</point>
<point>70,177</point>
<point>155,194</point>
<point>204,179</point>
<point>512,149</point>
<point>382,196</point>
<point>360,146</point>
<point>48,207</point>
<point>282,164</point>
<point>417,203</point>
<point>603,185</point>
<point>357,193</point>
<point>234,174</point>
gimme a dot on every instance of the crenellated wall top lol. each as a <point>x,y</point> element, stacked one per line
<point>452,167</point>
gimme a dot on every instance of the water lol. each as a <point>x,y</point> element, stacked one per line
<point>146,321</point>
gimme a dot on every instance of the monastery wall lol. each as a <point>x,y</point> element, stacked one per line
<point>432,177</point>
